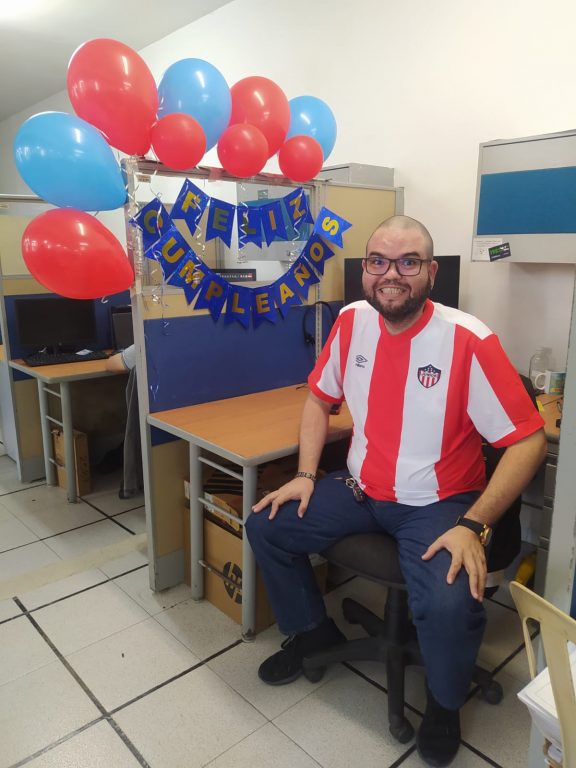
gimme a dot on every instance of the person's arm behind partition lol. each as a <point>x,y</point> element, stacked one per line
<point>313,431</point>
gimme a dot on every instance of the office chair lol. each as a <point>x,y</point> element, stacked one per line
<point>557,629</point>
<point>392,639</point>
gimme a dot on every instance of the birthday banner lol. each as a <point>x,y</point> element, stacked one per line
<point>257,224</point>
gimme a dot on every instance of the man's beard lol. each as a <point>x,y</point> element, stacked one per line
<point>410,307</point>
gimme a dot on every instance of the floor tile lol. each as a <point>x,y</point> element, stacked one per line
<point>88,617</point>
<point>39,708</point>
<point>8,608</point>
<point>97,747</point>
<point>9,481</point>
<point>56,590</point>
<point>23,650</point>
<point>137,585</point>
<point>502,732</point>
<point>341,721</point>
<point>134,519</point>
<point>200,626</point>
<point>13,533</point>
<point>135,659</point>
<point>503,635</point>
<point>464,759</point>
<point>188,722</point>
<point>121,565</point>
<point>104,495</point>
<point>78,542</point>
<point>264,748</point>
<point>46,512</point>
<point>24,559</point>
<point>239,668</point>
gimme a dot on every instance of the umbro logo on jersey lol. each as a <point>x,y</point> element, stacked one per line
<point>428,375</point>
<point>360,360</point>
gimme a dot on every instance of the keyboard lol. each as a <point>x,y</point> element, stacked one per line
<point>43,358</point>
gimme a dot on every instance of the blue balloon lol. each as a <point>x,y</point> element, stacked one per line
<point>310,116</point>
<point>66,161</point>
<point>198,89</point>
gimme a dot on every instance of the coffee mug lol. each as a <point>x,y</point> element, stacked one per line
<point>552,382</point>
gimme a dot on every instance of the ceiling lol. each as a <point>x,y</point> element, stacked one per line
<point>38,37</point>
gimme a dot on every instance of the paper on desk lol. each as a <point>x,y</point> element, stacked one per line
<point>538,697</point>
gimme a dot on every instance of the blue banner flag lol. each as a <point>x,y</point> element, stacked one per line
<point>212,295</point>
<point>190,205</point>
<point>331,226</point>
<point>296,204</point>
<point>285,293</point>
<point>189,273</point>
<point>169,250</point>
<point>220,221</point>
<point>304,276</point>
<point>273,221</point>
<point>263,306</point>
<point>153,220</point>
<point>316,252</point>
<point>238,305</point>
<point>249,225</point>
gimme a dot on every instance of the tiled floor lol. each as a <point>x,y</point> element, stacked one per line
<point>96,671</point>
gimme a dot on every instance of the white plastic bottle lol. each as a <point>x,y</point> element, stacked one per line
<point>539,362</point>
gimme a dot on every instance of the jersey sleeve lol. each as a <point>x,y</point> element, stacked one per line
<point>498,403</point>
<point>325,380</point>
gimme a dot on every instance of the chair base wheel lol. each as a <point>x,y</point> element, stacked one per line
<point>315,674</point>
<point>403,731</point>
<point>492,693</point>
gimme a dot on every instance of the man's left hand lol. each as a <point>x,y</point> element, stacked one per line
<point>466,550</point>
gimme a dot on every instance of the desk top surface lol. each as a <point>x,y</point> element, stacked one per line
<point>249,429</point>
<point>87,369</point>
<point>550,412</point>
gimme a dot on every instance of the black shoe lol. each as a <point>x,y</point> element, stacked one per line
<point>438,738</point>
<point>286,665</point>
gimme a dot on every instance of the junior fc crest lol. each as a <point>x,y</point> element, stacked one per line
<point>428,375</point>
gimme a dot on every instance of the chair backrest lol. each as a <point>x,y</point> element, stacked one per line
<point>556,629</point>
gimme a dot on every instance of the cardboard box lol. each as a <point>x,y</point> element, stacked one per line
<point>223,555</point>
<point>81,457</point>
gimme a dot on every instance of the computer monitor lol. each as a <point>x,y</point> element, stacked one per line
<point>122,328</point>
<point>55,324</point>
<point>446,284</point>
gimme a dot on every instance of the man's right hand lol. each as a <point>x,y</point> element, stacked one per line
<point>300,489</point>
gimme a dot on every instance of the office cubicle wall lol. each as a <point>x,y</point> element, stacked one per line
<point>185,357</point>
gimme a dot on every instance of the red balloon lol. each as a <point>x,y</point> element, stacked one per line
<point>300,158</point>
<point>260,102</point>
<point>178,141</point>
<point>111,87</point>
<point>71,253</point>
<point>242,150</point>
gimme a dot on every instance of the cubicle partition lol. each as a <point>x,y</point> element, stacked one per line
<point>189,358</point>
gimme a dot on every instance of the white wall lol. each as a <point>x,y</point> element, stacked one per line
<point>414,85</point>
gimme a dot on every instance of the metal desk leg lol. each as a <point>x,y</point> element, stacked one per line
<point>68,432</point>
<point>49,467</point>
<point>196,525</point>
<point>250,476</point>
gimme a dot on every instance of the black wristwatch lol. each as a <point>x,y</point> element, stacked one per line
<point>483,531</point>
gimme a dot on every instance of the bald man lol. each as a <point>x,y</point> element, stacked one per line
<point>425,384</point>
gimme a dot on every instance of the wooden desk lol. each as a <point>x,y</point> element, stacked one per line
<point>247,431</point>
<point>550,412</point>
<point>61,375</point>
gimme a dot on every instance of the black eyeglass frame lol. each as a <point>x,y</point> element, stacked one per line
<point>368,260</point>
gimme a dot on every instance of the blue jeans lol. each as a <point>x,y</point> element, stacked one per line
<point>449,621</point>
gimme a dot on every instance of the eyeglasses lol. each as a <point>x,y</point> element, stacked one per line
<point>408,266</point>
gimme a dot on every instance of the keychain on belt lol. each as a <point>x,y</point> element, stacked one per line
<point>359,495</point>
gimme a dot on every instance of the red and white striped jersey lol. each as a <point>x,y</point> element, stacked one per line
<point>422,400</point>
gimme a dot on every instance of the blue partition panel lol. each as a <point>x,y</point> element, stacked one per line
<point>196,360</point>
<point>527,202</point>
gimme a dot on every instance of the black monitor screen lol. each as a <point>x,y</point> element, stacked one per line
<point>55,322</point>
<point>446,285</point>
